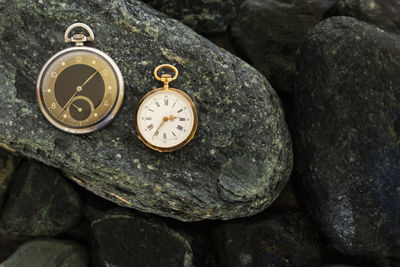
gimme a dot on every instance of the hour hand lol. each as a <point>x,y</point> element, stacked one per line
<point>172,117</point>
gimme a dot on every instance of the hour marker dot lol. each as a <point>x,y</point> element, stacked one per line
<point>95,114</point>
<point>65,115</point>
<point>94,62</point>
<point>109,87</point>
<point>63,63</point>
<point>48,90</point>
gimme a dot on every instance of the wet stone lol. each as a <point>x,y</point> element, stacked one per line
<point>48,253</point>
<point>347,135</point>
<point>269,32</point>
<point>202,15</point>
<point>40,203</point>
<point>120,238</point>
<point>276,239</point>
<point>8,164</point>
<point>382,13</point>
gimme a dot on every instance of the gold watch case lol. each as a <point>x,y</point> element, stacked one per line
<point>166,78</point>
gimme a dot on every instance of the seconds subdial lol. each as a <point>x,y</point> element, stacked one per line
<point>81,108</point>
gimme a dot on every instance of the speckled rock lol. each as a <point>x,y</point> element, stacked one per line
<point>40,203</point>
<point>269,33</point>
<point>48,253</point>
<point>382,13</point>
<point>204,16</point>
<point>278,239</point>
<point>240,158</point>
<point>8,163</point>
<point>122,239</point>
<point>347,134</point>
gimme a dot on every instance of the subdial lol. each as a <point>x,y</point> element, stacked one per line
<point>80,108</point>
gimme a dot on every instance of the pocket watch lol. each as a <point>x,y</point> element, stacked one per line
<point>80,89</point>
<point>166,118</point>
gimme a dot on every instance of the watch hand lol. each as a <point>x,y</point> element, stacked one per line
<point>172,117</point>
<point>78,89</point>
<point>78,108</point>
<point>68,102</point>
<point>91,76</point>
<point>165,119</point>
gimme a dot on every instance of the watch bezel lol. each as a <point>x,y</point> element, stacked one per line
<point>184,142</point>
<point>113,112</point>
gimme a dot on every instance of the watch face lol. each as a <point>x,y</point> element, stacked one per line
<point>80,90</point>
<point>166,119</point>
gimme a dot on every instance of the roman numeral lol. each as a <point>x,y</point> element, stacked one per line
<point>164,135</point>
<point>157,104</point>
<point>179,128</point>
<point>148,118</point>
<point>173,133</point>
<point>166,102</point>
<point>180,110</point>
<point>156,133</point>
<point>182,119</point>
<point>151,110</point>
<point>151,126</point>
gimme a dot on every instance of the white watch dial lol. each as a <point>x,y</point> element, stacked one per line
<point>165,118</point>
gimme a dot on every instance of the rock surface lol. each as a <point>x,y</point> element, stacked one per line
<point>40,203</point>
<point>240,158</point>
<point>347,134</point>
<point>269,33</point>
<point>204,16</point>
<point>8,245</point>
<point>48,253</point>
<point>382,13</point>
<point>279,239</point>
<point>123,239</point>
<point>8,163</point>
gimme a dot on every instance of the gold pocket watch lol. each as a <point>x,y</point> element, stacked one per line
<point>80,89</point>
<point>166,118</point>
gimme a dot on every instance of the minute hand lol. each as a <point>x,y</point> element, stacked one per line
<point>91,76</point>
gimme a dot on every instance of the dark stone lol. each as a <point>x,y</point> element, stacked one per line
<point>224,40</point>
<point>40,203</point>
<point>203,16</point>
<point>197,234</point>
<point>269,33</point>
<point>8,245</point>
<point>123,239</point>
<point>240,158</point>
<point>382,13</point>
<point>287,200</point>
<point>48,253</point>
<point>8,163</point>
<point>347,136</point>
<point>278,239</point>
